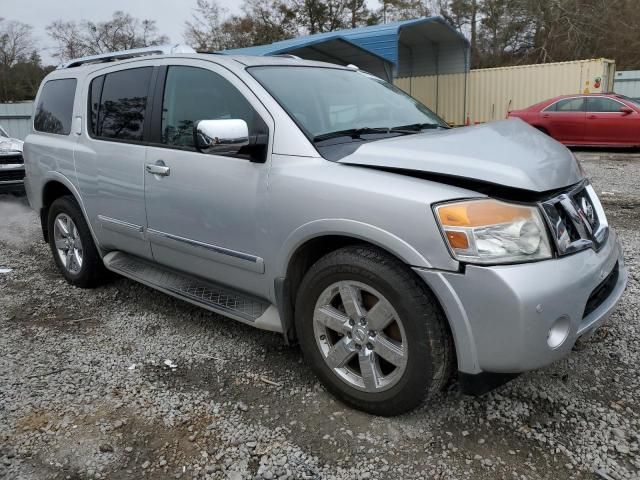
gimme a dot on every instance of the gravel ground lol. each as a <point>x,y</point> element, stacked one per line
<point>86,392</point>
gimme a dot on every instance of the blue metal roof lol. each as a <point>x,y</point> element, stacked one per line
<point>384,41</point>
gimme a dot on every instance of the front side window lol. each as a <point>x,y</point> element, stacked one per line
<point>55,107</point>
<point>122,105</point>
<point>192,94</point>
<point>326,100</point>
<point>602,105</point>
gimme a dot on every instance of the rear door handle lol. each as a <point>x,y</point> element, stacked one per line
<point>158,169</point>
<point>592,117</point>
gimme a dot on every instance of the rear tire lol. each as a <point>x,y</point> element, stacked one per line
<point>372,332</point>
<point>72,245</point>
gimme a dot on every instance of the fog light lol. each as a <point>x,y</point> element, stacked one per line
<point>558,332</point>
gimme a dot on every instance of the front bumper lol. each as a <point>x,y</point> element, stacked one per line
<point>501,315</point>
<point>12,178</point>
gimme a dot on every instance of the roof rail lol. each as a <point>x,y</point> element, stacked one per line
<point>286,55</point>
<point>124,54</point>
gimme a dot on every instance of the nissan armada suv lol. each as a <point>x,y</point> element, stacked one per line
<point>323,203</point>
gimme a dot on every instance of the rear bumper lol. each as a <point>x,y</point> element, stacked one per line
<point>501,316</point>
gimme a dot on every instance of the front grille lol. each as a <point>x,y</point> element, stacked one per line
<point>584,202</point>
<point>576,220</point>
<point>11,159</point>
<point>11,175</point>
<point>602,291</point>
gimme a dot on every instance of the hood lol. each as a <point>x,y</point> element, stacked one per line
<point>10,145</point>
<point>509,153</point>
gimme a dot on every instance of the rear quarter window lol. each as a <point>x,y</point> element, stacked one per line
<point>55,107</point>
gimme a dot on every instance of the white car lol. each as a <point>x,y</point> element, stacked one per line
<point>11,163</point>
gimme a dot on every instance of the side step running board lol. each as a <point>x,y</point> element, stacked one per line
<point>205,294</point>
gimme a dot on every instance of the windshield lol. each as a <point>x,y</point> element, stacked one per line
<point>3,133</point>
<point>324,101</point>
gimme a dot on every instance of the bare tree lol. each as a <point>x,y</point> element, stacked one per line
<point>16,42</point>
<point>204,31</point>
<point>20,68</point>
<point>396,10</point>
<point>121,32</point>
<point>263,21</point>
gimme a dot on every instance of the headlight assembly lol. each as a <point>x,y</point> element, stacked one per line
<point>488,231</point>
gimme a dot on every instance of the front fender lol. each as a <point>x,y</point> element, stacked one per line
<point>348,228</point>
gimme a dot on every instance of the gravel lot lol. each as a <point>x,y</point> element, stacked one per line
<point>85,391</point>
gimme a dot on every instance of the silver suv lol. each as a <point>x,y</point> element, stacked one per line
<point>323,203</point>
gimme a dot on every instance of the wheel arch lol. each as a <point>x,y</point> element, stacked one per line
<point>54,187</point>
<point>314,247</point>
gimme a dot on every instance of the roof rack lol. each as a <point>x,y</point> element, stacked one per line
<point>124,54</point>
<point>286,55</point>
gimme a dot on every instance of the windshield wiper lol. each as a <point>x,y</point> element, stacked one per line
<point>416,127</point>
<point>352,132</point>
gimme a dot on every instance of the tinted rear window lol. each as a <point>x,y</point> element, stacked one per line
<point>55,107</point>
<point>95,91</point>
<point>123,104</point>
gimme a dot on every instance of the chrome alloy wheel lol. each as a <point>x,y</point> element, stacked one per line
<point>360,336</point>
<point>68,243</point>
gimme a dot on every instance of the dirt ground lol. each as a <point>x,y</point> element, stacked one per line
<point>85,391</point>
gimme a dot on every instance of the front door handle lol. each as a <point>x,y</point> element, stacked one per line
<point>158,168</point>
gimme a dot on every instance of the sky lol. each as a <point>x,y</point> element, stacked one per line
<point>170,15</point>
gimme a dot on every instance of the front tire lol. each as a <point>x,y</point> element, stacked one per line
<point>372,332</point>
<point>72,245</point>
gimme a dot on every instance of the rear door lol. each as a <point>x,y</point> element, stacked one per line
<point>205,215</point>
<point>110,155</point>
<point>565,120</point>
<point>607,125</point>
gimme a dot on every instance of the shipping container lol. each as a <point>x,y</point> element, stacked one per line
<point>488,94</point>
<point>628,83</point>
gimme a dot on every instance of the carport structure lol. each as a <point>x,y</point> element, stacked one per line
<point>410,48</point>
<point>427,50</point>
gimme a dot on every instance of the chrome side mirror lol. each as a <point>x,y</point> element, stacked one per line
<point>219,137</point>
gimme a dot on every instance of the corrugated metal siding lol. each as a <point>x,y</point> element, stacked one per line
<point>628,83</point>
<point>419,46</point>
<point>444,94</point>
<point>492,92</point>
<point>16,118</point>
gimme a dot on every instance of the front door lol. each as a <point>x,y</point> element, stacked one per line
<point>204,211</point>
<point>607,125</point>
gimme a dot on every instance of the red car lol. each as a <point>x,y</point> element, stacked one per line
<point>594,120</point>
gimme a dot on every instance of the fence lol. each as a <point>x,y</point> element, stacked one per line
<point>15,118</point>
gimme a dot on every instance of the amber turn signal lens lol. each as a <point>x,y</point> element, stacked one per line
<point>479,213</point>
<point>458,240</point>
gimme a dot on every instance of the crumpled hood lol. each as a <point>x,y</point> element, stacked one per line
<point>509,153</point>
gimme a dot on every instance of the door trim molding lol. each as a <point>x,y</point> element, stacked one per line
<point>207,251</point>
<point>120,226</point>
